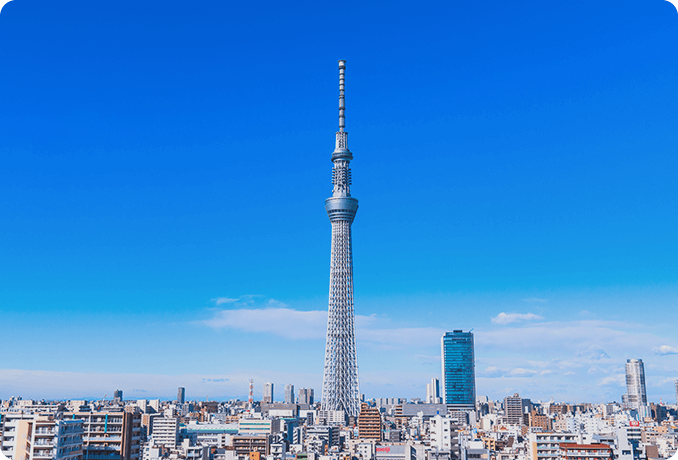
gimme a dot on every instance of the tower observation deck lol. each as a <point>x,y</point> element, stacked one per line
<point>340,377</point>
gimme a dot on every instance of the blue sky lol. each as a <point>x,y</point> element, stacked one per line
<point>165,165</point>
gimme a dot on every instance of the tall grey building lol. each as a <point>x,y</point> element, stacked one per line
<point>268,392</point>
<point>433,392</point>
<point>676,384</point>
<point>636,396</point>
<point>289,393</point>
<point>459,370</point>
<point>340,376</point>
<point>305,396</point>
<point>117,396</point>
<point>513,409</point>
<point>181,395</point>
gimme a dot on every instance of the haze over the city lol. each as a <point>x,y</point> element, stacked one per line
<point>165,166</point>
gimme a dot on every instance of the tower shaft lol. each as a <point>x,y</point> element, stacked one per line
<point>340,378</point>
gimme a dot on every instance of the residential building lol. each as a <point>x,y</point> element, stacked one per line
<point>636,396</point>
<point>181,395</point>
<point>244,445</point>
<point>289,393</point>
<point>513,409</point>
<point>444,434</point>
<point>45,438</point>
<point>540,421</point>
<point>458,370</point>
<point>110,435</point>
<point>268,393</point>
<point>165,432</point>
<point>571,451</point>
<point>328,433</point>
<point>546,446</point>
<point>369,423</point>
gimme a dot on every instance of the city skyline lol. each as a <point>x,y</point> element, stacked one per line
<point>514,170</point>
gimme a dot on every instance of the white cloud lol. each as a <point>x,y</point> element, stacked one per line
<point>223,300</point>
<point>534,299</point>
<point>617,379</point>
<point>507,318</point>
<point>285,322</point>
<point>665,350</point>
<point>520,372</point>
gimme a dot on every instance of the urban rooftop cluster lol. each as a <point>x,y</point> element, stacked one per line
<point>451,423</point>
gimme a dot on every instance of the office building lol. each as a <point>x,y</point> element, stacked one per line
<point>268,393</point>
<point>117,396</point>
<point>305,396</point>
<point>340,376</point>
<point>459,376</point>
<point>250,426</point>
<point>289,394</point>
<point>369,423</point>
<point>676,385</point>
<point>636,396</point>
<point>181,395</point>
<point>433,392</point>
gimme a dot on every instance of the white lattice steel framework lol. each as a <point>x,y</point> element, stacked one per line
<point>340,379</point>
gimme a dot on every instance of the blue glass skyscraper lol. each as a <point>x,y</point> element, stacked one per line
<point>459,370</point>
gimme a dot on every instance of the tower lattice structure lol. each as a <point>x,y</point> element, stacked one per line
<point>340,378</point>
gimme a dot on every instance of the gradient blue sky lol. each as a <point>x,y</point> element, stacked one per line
<point>165,164</point>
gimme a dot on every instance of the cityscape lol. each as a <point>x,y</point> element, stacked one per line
<point>513,305</point>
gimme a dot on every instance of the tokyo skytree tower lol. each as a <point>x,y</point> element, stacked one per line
<point>340,378</point>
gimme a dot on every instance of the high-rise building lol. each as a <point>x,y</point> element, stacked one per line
<point>676,384</point>
<point>117,396</point>
<point>268,392</point>
<point>459,375</point>
<point>340,376</point>
<point>636,396</point>
<point>433,392</point>
<point>289,393</point>
<point>181,395</point>
<point>513,409</point>
<point>369,423</point>
<point>305,396</point>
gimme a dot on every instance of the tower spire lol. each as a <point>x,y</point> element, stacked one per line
<point>342,106</point>
<point>340,377</point>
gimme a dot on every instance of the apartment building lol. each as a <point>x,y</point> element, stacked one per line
<point>44,438</point>
<point>369,423</point>
<point>114,435</point>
